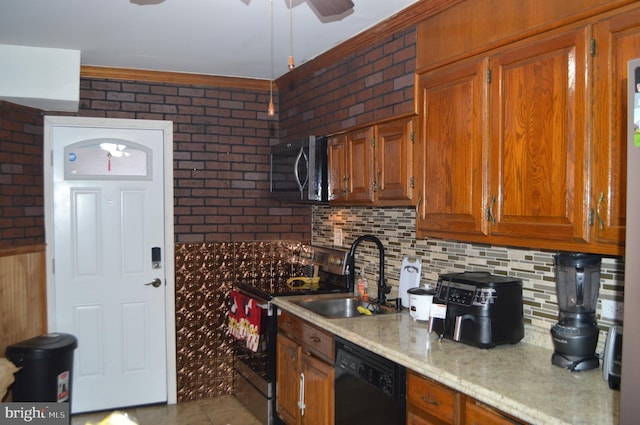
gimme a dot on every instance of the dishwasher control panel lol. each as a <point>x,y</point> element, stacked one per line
<point>382,373</point>
<point>367,372</point>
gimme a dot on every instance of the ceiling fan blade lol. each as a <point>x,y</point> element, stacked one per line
<point>331,7</point>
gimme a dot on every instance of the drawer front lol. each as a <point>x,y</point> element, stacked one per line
<point>431,397</point>
<point>312,339</point>
<point>318,342</point>
<point>290,325</point>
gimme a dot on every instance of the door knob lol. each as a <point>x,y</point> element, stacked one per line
<point>155,283</point>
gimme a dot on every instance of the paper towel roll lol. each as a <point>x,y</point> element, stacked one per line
<point>409,278</point>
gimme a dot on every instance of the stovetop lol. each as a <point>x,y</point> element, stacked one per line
<point>330,265</point>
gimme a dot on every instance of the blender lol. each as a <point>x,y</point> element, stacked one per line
<point>575,336</point>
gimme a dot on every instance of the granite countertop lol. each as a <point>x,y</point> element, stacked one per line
<point>518,379</point>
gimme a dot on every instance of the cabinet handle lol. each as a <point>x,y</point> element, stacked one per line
<point>376,184</point>
<point>598,216</point>
<point>430,401</point>
<point>345,186</point>
<point>315,339</point>
<point>301,404</point>
<point>489,214</point>
<point>418,215</point>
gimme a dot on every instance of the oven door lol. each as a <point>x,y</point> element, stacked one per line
<point>253,377</point>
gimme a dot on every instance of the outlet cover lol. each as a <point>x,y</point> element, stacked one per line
<point>612,310</point>
<point>337,236</point>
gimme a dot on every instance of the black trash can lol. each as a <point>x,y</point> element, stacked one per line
<point>46,363</point>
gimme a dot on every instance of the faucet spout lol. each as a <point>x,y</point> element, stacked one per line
<point>383,289</point>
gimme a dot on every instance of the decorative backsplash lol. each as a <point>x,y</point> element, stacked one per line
<point>396,229</point>
<point>205,275</point>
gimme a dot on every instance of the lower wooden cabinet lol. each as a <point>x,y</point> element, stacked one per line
<point>431,403</point>
<point>476,413</point>
<point>304,373</point>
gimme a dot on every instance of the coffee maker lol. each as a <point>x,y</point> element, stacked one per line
<point>575,336</point>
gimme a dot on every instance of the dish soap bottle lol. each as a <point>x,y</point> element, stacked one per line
<point>362,287</point>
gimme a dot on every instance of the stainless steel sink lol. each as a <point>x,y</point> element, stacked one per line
<point>343,307</point>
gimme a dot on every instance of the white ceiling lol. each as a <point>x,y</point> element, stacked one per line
<point>214,37</point>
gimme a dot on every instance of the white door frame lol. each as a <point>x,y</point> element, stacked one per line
<point>169,256</point>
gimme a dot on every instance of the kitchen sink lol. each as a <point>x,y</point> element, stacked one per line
<point>343,307</point>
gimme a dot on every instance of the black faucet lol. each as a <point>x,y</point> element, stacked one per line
<point>383,289</point>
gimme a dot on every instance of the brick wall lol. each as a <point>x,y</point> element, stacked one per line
<point>374,83</point>
<point>21,182</point>
<point>221,156</point>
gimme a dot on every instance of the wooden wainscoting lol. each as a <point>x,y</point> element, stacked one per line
<point>23,312</point>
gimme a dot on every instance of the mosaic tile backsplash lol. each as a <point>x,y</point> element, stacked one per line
<point>396,229</point>
<point>205,275</point>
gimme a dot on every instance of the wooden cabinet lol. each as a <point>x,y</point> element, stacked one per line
<point>616,41</point>
<point>452,173</point>
<point>538,141</point>
<point>394,178</point>
<point>373,165</point>
<point>304,373</point>
<point>476,413</point>
<point>431,403</point>
<point>504,145</point>
<point>525,145</point>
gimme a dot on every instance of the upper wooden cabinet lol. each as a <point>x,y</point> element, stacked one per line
<point>525,145</point>
<point>373,165</point>
<point>505,145</point>
<point>617,40</point>
<point>351,167</point>
<point>538,141</point>
<point>451,171</point>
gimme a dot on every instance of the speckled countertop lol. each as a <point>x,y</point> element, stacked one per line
<point>517,379</point>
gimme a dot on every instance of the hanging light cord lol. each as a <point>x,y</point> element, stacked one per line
<point>291,61</point>
<point>271,110</point>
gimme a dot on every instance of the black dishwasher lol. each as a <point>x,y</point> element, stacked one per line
<point>369,389</point>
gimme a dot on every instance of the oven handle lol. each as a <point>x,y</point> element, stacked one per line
<point>258,302</point>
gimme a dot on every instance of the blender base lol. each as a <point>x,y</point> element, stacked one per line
<point>574,363</point>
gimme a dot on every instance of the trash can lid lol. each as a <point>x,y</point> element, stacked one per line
<point>43,346</point>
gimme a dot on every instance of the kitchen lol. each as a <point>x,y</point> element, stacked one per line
<point>212,214</point>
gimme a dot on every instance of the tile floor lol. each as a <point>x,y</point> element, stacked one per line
<point>218,411</point>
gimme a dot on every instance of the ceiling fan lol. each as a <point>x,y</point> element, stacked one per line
<point>331,7</point>
<point>323,7</point>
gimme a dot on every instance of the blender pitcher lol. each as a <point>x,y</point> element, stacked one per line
<point>575,336</point>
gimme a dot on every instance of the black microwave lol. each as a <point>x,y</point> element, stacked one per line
<point>299,171</point>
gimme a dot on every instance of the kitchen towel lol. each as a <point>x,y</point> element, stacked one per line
<point>245,320</point>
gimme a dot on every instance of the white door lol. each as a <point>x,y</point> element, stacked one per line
<point>109,260</point>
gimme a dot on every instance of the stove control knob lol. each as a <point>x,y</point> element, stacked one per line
<point>336,261</point>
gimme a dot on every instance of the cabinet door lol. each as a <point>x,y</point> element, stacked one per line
<point>318,392</point>
<point>453,177</point>
<point>360,166</point>
<point>538,138</point>
<point>617,41</point>
<point>393,175</point>
<point>337,164</point>
<point>288,355</point>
